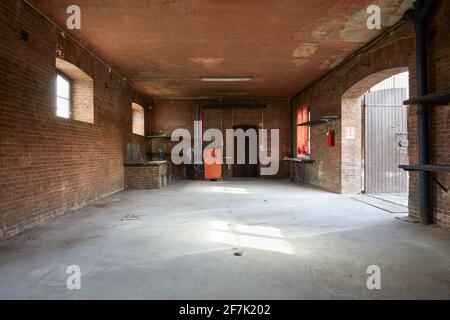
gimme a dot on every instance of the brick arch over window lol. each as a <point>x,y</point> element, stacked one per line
<point>82,91</point>
<point>351,118</point>
<point>138,119</point>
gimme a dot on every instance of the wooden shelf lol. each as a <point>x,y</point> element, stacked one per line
<point>325,119</point>
<point>426,168</point>
<point>299,160</point>
<point>433,99</point>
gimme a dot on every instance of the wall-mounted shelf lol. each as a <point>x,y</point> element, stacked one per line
<point>318,121</point>
<point>300,160</point>
<point>426,168</point>
<point>433,99</point>
<point>429,169</point>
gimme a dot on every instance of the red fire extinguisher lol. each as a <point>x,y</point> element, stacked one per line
<point>330,138</point>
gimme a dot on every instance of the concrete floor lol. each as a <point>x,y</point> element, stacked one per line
<point>249,239</point>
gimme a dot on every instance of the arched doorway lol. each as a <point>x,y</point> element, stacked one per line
<point>374,135</point>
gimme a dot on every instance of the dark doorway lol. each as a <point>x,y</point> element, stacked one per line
<point>244,170</point>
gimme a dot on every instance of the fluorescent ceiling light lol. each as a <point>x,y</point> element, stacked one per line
<point>226,79</point>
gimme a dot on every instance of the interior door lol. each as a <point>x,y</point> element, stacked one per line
<point>247,169</point>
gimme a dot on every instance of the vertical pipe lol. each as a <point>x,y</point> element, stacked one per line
<point>422,120</point>
<point>293,128</point>
<point>418,17</point>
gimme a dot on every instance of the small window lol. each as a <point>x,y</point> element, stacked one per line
<point>63,96</point>
<point>138,119</point>
<point>74,92</point>
<point>303,132</point>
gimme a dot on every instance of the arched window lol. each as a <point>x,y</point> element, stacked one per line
<point>74,92</point>
<point>138,119</point>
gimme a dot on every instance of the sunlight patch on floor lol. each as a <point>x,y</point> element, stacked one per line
<point>229,190</point>
<point>257,237</point>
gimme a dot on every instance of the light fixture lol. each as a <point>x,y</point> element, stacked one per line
<point>226,79</point>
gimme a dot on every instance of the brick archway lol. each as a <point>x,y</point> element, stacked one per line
<point>351,122</point>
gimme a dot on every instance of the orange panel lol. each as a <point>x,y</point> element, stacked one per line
<point>302,132</point>
<point>213,163</point>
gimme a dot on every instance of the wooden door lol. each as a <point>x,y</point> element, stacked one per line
<point>386,141</point>
<point>247,169</point>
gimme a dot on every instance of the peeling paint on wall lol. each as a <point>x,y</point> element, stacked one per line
<point>356,31</point>
<point>162,45</point>
<point>209,62</point>
<point>305,50</point>
<point>318,34</point>
<point>300,62</point>
<point>324,65</point>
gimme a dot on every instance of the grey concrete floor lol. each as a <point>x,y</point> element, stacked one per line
<point>249,239</point>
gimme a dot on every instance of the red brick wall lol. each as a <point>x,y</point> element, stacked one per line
<point>50,165</point>
<point>395,49</point>
<point>168,115</point>
<point>439,79</point>
<point>146,176</point>
<point>335,164</point>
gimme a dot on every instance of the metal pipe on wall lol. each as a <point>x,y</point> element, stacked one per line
<point>293,128</point>
<point>418,16</point>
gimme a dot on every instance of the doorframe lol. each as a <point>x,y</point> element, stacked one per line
<point>245,127</point>
<point>351,182</point>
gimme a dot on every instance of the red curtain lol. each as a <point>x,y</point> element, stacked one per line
<point>302,132</point>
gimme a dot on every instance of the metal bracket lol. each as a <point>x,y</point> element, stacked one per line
<point>437,182</point>
<point>331,124</point>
